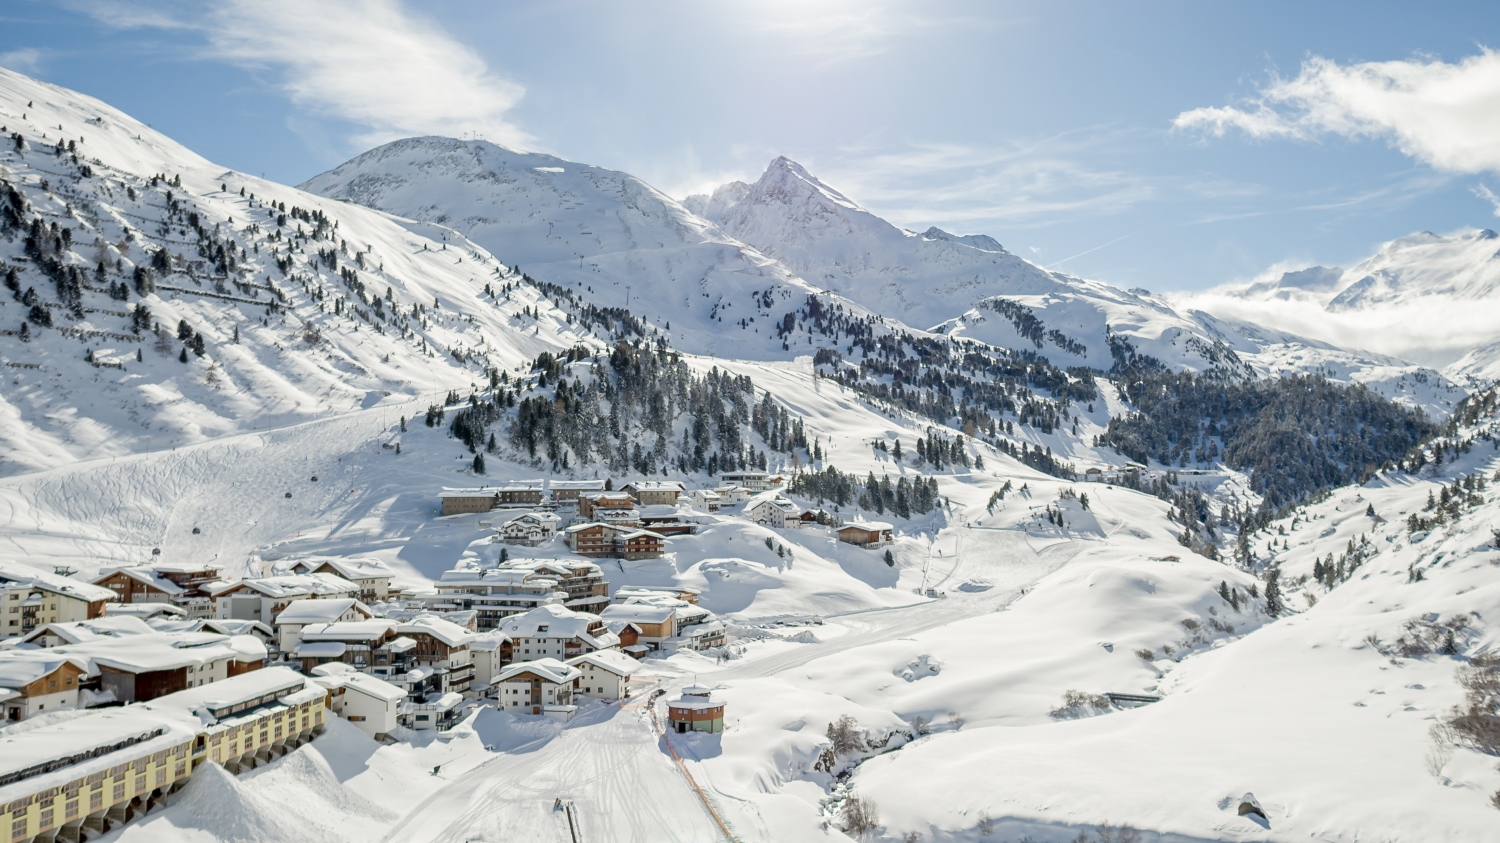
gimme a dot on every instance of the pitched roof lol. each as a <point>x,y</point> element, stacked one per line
<point>348,567</point>
<point>25,575</point>
<point>143,574</point>
<point>637,613</point>
<point>347,630</point>
<point>290,585</point>
<point>20,672</point>
<point>560,622</point>
<point>613,661</point>
<point>549,669</point>
<point>866,525</point>
<point>445,631</point>
<point>655,486</point>
<point>320,611</point>
<point>352,680</point>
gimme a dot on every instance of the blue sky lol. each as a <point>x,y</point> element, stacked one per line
<point>1173,146</point>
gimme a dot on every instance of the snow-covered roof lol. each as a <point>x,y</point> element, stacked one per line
<point>613,661</point>
<point>869,526</point>
<point>445,631</point>
<point>655,486</point>
<point>481,492</point>
<point>659,510</point>
<point>320,611</point>
<point>234,691</point>
<point>539,518</point>
<point>577,484</point>
<point>77,632</point>
<point>17,673</point>
<point>347,630</point>
<point>487,641</point>
<point>144,574</point>
<point>352,680</point>
<point>550,670</point>
<point>146,611</point>
<point>637,613</point>
<point>290,585</point>
<point>551,621</point>
<point>348,567</point>
<point>146,730</point>
<point>26,576</point>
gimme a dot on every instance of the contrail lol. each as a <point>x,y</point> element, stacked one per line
<point>1090,251</point>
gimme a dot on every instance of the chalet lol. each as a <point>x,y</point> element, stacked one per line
<point>775,512</point>
<point>460,501</point>
<point>654,492</point>
<point>566,492</point>
<point>553,631</point>
<point>300,613</point>
<point>371,575</point>
<point>184,586</point>
<point>443,646</point>
<point>653,623</point>
<point>605,540</point>
<point>605,674</point>
<point>707,500</point>
<point>371,704</point>
<point>544,686</point>
<point>531,529</point>
<point>1093,475</point>
<point>667,520</point>
<point>640,544</point>
<point>30,598</point>
<point>520,493</point>
<point>360,643</point>
<point>866,533</point>
<point>590,505</point>
<point>263,598</point>
<point>696,711</point>
<point>754,481</point>
<point>31,686</point>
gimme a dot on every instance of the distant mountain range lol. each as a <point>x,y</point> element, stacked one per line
<point>717,267</point>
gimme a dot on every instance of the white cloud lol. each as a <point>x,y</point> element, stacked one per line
<point>24,60</point>
<point>1483,192</point>
<point>373,63</point>
<point>1433,332</point>
<point>1445,115</point>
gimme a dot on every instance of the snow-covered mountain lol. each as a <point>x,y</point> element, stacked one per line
<point>970,286</point>
<point>187,301</point>
<point>1431,298</point>
<point>605,234</point>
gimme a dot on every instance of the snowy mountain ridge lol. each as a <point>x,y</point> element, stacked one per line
<point>970,286</point>
<point>604,234</point>
<point>1426,297</point>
